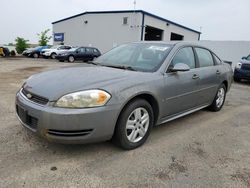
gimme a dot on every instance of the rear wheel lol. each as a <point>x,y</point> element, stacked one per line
<point>53,56</point>
<point>71,59</point>
<point>219,99</point>
<point>35,55</point>
<point>134,124</point>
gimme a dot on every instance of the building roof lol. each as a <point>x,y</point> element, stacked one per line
<point>127,11</point>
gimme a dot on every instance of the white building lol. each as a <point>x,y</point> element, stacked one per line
<point>107,29</point>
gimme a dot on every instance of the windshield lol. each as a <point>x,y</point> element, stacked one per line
<point>137,56</point>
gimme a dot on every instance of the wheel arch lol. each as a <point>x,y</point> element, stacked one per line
<point>149,97</point>
<point>226,84</point>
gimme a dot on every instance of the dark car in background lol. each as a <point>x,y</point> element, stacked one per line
<point>79,53</point>
<point>4,51</point>
<point>242,69</point>
<point>34,52</point>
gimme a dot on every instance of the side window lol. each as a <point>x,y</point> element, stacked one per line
<point>67,47</point>
<point>81,50</point>
<point>217,60</point>
<point>205,57</point>
<point>89,50</point>
<point>186,56</point>
<point>248,58</point>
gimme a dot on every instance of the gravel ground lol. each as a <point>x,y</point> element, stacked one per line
<point>204,149</point>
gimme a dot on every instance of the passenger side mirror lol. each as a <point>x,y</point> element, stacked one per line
<point>180,67</point>
<point>244,58</point>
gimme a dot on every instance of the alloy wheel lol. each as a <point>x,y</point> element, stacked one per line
<point>220,97</point>
<point>137,125</point>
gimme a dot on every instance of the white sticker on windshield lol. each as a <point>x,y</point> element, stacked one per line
<point>160,48</point>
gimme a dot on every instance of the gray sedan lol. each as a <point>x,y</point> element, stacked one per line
<point>124,93</point>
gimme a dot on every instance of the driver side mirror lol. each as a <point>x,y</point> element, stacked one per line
<point>180,67</point>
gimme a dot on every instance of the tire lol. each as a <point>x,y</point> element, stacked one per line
<point>53,56</point>
<point>219,99</point>
<point>71,59</point>
<point>35,55</point>
<point>132,135</point>
<point>236,79</point>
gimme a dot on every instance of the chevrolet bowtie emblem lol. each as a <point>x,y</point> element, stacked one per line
<point>29,96</point>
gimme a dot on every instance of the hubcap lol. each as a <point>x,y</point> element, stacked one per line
<point>71,58</point>
<point>137,125</point>
<point>220,97</point>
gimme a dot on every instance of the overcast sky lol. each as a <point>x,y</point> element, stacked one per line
<point>219,19</point>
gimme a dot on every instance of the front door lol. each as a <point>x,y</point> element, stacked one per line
<point>181,93</point>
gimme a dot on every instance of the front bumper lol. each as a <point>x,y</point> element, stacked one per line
<point>242,74</point>
<point>63,125</point>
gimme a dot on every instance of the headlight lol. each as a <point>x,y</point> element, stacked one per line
<point>238,65</point>
<point>84,99</point>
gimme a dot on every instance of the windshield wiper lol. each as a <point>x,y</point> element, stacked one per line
<point>121,67</point>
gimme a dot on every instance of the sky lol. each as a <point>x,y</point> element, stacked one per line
<point>216,19</point>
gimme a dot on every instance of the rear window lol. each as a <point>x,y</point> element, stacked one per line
<point>205,57</point>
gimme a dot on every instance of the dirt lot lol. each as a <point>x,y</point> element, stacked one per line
<point>204,149</point>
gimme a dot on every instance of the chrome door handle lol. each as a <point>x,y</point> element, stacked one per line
<point>217,72</point>
<point>195,76</point>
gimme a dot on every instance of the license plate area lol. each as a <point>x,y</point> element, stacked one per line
<point>26,119</point>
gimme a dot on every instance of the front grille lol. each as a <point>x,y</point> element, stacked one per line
<point>245,66</point>
<point>26,118</point>
<point>69,133</point>
<point>35,98</point>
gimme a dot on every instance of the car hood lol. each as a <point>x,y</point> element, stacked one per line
<point>56,83</point>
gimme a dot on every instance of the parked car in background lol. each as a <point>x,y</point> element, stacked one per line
<point>123,93</point>
<point>242,69</point>
<point>34,52</point>
<point>54,50</point>
<point>4,51</point>
<point>79,53</point>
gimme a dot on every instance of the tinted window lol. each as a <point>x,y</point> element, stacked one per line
<point>67,47</point>
<point>89,50</point>
<point>184,55</point>
<point>81,50</point>
<point>248,58</point>
<point>95,50</point>
<point>205,57</point>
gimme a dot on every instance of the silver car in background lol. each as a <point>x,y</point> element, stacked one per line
<point>122,94</point>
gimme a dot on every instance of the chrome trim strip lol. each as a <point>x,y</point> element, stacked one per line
<point>183,114</point>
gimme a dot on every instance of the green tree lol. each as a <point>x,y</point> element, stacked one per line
<point>21,44</point>
<point>44,38</point>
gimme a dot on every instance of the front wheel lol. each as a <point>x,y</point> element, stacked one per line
<point>219,99</point>
<point>71,59</point>
<point>134,124</point>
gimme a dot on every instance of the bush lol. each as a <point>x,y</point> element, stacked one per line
<point>21,45</point>
<point>44,38</point>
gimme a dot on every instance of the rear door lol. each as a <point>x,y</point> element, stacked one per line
<point>209,73</point>
<point>181,88</point>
